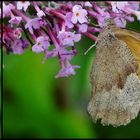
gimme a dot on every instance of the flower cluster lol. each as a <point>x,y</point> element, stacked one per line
<point>60,24</point>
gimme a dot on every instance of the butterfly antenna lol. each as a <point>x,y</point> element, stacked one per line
<point>96,25</point>
<point>90,48</point>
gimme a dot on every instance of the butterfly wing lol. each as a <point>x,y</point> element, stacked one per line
<point>132,39</point>
<point>115,84</point>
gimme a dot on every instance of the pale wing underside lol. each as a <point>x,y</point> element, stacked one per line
<point>117,107</point>
<point>115,85</point>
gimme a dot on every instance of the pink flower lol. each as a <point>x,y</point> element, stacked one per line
<point>79,14</point>
<point>13,41</point>
<point>7,9</point>
<point>17,33</point>
<point>83,28</point>
<point>134,5</point>
<point>15,19</point>
<point>88,4</point>
<point>35,23</point>
<point>128,7</point>
<point>120,22</point>
<point>68,22</point>
<point>102,18</point>
<point>41,45</point>
<point>134,12</point>
<point>17,47</point>
<point>23,5</point>
<point>137,14</point>
<point>68,38</point>
<point>40,13</point>
<point>129,18</point>
<point>67,71</point>
<point>117,6</point>
<point>101,15</point>
<point>7,34</point>
<point>62,51</point>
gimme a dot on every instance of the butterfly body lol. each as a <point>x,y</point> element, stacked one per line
<point>115,81</point>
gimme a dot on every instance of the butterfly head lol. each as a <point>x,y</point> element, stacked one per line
<point>107,35</point>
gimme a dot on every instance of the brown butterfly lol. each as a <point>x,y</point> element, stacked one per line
<point>115,77</point>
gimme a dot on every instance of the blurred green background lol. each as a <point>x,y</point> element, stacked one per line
<point>36,105</point>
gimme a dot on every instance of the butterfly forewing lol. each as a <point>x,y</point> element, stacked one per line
<point>132,39</point>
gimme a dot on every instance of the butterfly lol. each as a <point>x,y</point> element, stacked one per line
<point>115,77</point>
